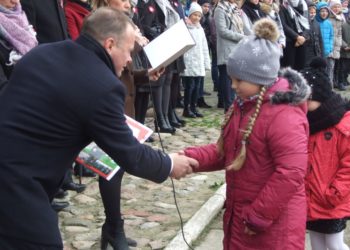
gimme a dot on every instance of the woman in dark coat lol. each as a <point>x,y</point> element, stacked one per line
<point>294,20</point>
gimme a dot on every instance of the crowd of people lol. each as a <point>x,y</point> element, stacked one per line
<point>71,69</point>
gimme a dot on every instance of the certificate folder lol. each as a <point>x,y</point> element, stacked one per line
<point>169,46</point>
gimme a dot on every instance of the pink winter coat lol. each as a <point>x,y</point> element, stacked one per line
<point>267,194</point>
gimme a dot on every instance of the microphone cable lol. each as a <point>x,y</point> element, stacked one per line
<point>163,150</point>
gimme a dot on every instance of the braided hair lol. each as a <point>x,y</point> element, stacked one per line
<point>239,160</point>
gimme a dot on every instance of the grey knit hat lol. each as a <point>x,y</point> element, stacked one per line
<point>256,58</point>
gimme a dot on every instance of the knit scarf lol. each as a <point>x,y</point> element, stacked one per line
<point>328,114</point>
<point>297,14</point>
<point>171,15</point>
<point>252,11</point>
<point>233,13</point>
<point>15,29</point>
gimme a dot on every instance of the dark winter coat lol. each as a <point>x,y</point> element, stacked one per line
<point>48,114</point>
<point>346,38</point>
<point>47,18</point>
<point>151,18</point>
<point>5,70</point>
<point>314,45</point>
<point>267,193</point>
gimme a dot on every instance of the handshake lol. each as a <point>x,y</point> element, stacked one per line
<point>182,165</point>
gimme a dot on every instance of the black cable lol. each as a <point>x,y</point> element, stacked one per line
<point>163,150</point>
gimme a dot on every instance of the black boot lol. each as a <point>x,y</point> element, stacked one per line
<point>341,86</point>
<point>59,205</point>
<point>162,125</point>
<point>181,121</point>
<point>188,113</point>
<point>172,119</point>
<point>202,104</point>
<point>196,112</point>
<point>169,124</point>
<point>114,237</point>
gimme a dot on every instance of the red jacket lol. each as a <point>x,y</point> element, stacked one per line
<point>75,14</point>
<point>267,193</point>
<point>328,176</point>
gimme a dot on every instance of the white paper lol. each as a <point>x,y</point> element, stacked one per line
<point>169,45</point>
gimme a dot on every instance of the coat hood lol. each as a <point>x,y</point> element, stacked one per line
<point>319,6</point>
<point>296,93</point>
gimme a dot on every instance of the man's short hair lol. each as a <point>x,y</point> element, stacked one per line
<point>106,22</point>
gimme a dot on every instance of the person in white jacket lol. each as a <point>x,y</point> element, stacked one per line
<point>197,61</point>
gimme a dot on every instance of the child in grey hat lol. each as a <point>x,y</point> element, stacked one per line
<point>262,147</point>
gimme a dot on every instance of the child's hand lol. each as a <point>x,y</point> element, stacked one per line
<point>248,231</point>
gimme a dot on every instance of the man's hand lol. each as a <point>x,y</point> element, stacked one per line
<point>182,165</point>
<point>154,75</point>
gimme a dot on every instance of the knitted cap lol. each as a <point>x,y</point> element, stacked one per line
<point>331,3</point>
<point>317,77</point>
<point>195,7</point>
<point>256,58</point>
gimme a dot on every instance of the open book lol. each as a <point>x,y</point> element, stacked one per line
<point>169,46</point>
<point>98,161</point>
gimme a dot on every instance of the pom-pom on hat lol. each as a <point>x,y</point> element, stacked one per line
<point>317,77</point>
<point>195,7</point>
<point>256,58</point>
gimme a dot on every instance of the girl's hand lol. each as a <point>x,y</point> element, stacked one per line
<point>248,231</point>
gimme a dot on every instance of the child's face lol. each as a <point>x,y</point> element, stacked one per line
<point>205,8</point>
<point>312,13</point>
<point>313,105</point>
<point>324,13</point>
<point>336,9</point>
<point>245,89</point>
<point>195,17</point>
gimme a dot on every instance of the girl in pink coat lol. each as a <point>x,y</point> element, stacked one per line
<point>262,147</point>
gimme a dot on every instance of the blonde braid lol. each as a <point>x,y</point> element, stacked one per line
<point>238,162</point>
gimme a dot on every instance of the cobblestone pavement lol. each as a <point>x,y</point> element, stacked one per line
<point>149,210</point>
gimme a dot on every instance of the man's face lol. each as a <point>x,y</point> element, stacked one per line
<point>121,50</point>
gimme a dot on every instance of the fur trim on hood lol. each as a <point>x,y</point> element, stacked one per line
<point>299,89</point>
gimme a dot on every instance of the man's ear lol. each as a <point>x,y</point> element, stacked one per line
<point>108,44</point>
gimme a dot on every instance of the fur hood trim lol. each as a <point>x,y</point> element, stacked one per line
<point>299,89</point>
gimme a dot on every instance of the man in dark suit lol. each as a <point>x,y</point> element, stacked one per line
<point>47,18</point>
<point>61,97</point>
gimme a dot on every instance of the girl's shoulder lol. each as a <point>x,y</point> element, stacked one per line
<point>290,88</point>
<point>344,125</point>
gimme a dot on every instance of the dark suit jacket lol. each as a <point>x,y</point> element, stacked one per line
<point>61,97</point>
<point>47,18</point>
